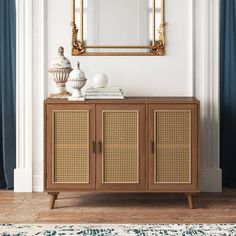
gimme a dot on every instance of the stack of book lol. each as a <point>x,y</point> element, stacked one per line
<point>104,93</point>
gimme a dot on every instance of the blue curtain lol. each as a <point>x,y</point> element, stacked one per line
<point>7,92</point>
<point>228,92</point>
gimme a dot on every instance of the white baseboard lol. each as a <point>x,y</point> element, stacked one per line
<point>38,183</point>
<point>211,181</point>
<point>22,180</point>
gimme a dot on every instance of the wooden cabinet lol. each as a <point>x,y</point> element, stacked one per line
<point>138,145</point>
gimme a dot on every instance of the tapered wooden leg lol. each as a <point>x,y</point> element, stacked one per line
<point>53,197</point>
<point>190,200</point>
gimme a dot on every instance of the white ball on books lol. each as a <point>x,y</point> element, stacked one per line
<point>100,80</point>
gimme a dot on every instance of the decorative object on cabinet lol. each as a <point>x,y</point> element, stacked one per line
<point>77,81</point>
<point>142,144</point>
<point>104,93</point>
<point>100,80</point>
<point>142,23</point>
<point>59,71</point>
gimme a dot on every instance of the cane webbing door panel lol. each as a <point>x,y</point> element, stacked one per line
<point>71,162</point>
<point>121,137</point>
<point>172,146</point>
<point>71,146</point>
<point>173,142</point>
<point>120,147</point>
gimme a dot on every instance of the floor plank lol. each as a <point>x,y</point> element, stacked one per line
<point>117,208</point>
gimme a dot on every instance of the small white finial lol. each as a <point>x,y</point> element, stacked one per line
<point>61,51</point>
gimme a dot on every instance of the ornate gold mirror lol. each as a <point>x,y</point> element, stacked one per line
<point>118,27</point>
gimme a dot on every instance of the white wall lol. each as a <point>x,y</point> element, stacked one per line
<point>186,70</point>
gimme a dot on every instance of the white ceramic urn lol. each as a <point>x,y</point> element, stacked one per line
<point>77,81</point>
<point>59,71</point>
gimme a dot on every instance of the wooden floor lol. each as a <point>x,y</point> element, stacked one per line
<point>117,208</point>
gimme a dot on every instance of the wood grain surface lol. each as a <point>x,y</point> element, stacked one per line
<point>117,208</point>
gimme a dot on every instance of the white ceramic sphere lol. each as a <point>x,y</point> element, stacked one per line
<point>100,80</point>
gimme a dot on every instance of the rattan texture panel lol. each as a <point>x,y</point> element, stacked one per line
<point>71,147</point>
<point>120,140</point>
<point>173,146</point>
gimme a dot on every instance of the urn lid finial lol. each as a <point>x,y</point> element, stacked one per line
<point>61,51</point>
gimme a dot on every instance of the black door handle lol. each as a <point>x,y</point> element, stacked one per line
<point>100,147</point>
<point>153,147</point>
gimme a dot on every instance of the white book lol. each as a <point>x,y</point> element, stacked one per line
<point>113,89</point>
<point>105,97</point>
<point>103,93</point>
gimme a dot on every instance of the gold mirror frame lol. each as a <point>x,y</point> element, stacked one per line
<point>157,47</point>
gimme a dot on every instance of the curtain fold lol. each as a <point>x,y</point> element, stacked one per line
<point>7,92</point>
<point>228,92</point>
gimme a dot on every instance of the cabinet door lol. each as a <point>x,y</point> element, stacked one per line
<point>121,147</point>
<point>70,136</point>
<point>173,147</point>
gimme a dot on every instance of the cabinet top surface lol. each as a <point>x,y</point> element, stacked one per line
<point>127,100</point>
